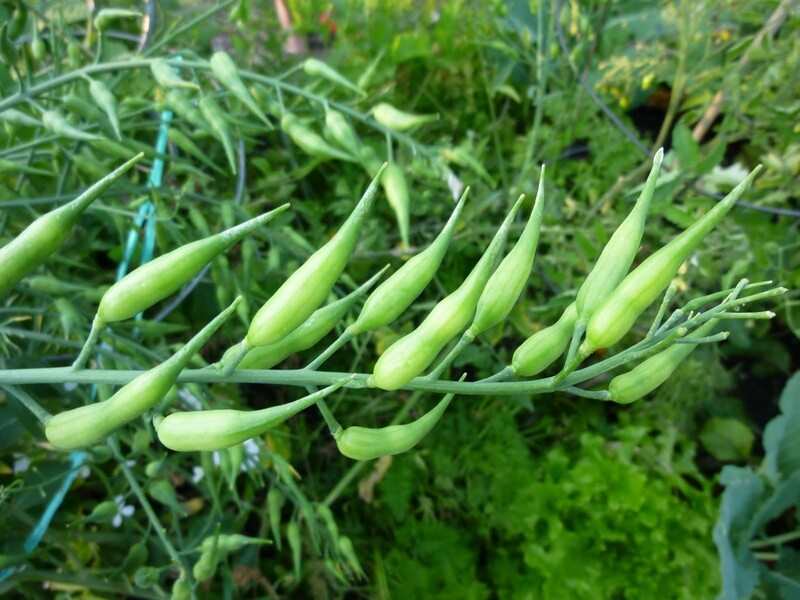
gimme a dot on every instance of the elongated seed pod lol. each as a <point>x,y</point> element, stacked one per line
<point>153,281</point>
<point>309,141</point>
<point>166,76</point>
<point>106,16</point>
<point>617,256</point>
<point>46,234</point>
<point>363,443</point>
<point>185,143</point>
<point>219,127</point>
<point>306,289</point>
<point>645,284</point>
<point>226,543</point>
<point>544,347</point>
<point>227,73</point>
<point>341,132</point>
<point>508,281</point>
<point>206,430</point>
<point>106,101</point>
<point>396,188</point>
<point>652,372</point>
<point>412,354</point>
<point>55,122</point>
<point>396,294</point>
<point>17,117</point>
<point>398,120</point>
<point>185,109</point>
<point>318,325</point>
<point>88,424</point>
<point>317,68</point>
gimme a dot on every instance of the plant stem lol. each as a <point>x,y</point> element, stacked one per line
<point>32,405</point>
<point>465,340</point>
<point>146,506</point>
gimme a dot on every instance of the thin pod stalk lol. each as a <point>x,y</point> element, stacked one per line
<point>364,443</point>
<point>651,373</point>
<point>395,295</point>
<point>614,318</point>
<point>318,325</point>
<point>617,256</point>
<point>155,280</point>
<point>88,424</point>
<point>306,289</point>
<point>208,430</point>
<point>507,282</point>
<point>412,354</point>
<point>45,235</point>
<point>227,73</point>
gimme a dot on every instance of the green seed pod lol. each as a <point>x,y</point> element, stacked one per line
<point>207,430</point>
<point>106,101</point>
<point>185,109</point>
<point>544,347</point>
<point>106,16</point>
<point>185,143</point>
<point>388,116</point>
<point>147,577</point>
<point>136,557</point>
<point>349,553</point>
<point>88,424</point>
<point>80,106</point>
<point>46,234</point>
<point>306,289</point>
<point>396,188</point>
<point>227,73</point>
<point>652,372</point>
<point>617,256</point>
<point>614,318</point>
<point>228,543</point>
<point>508,281</point>
<point>166,76</point>
<point>316,68</point>
<point>205,567</point>
<point>326,514</point>
<point>397,293</point>
<point>363,443</point>
<point>162,492</point>
<point>309,141</point>
<point>219,127</point>
<point>318,325</point>
<point>153,281</point>
<point>38,49</point>
<point>181,589</point>
<point>55,122</point>
<point>412,354</point>
<point>18,20</point>
<point>8,52</point>
<point>13,116</point>
<point>293,537</point>
<point>88,165</point>
<point>102,512</point>
<point>341,132</point>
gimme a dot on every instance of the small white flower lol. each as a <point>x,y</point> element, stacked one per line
<point>197,474</point>
<point>251,455</point>
<point>123,511</point>
<point>84,472</point>
<point>21,463</point>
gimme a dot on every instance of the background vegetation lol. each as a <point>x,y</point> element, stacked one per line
<point>508,498</point>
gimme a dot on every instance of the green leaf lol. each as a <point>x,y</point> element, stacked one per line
<point>740,570</point>
<point>784,497</point>
<point>727,439</point>
<point>686,148</point>
<point>782,434</point>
